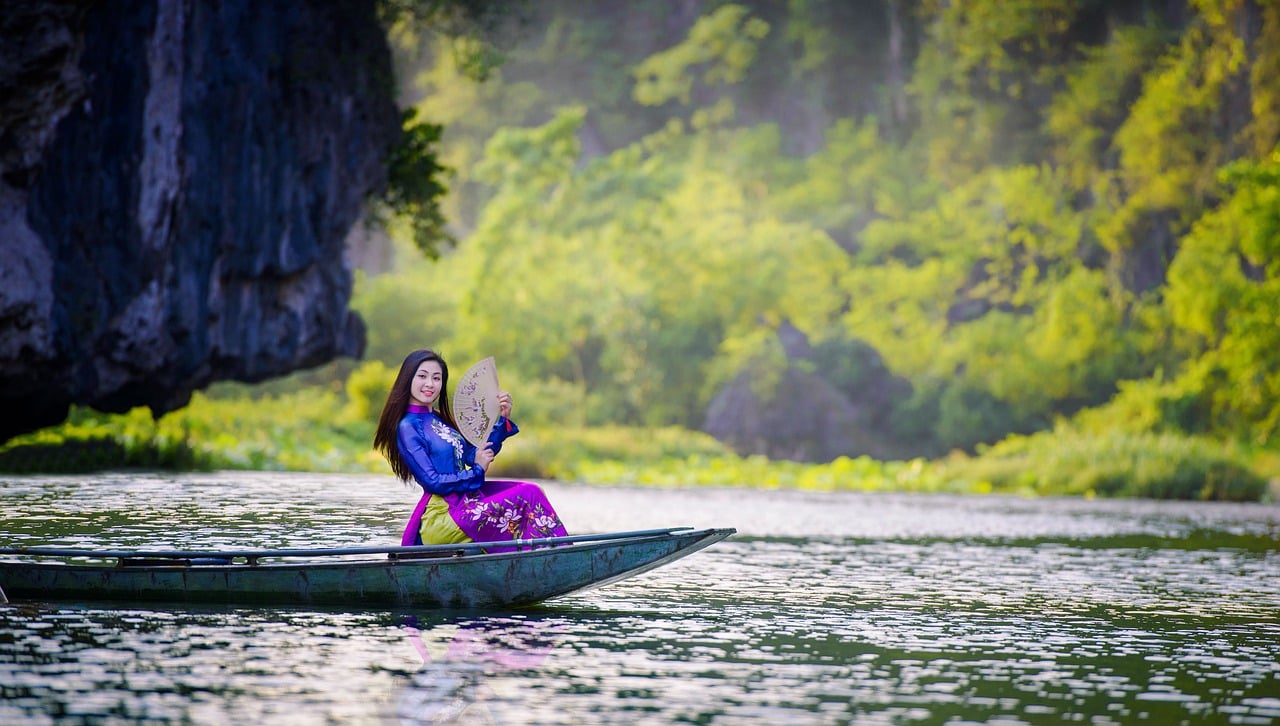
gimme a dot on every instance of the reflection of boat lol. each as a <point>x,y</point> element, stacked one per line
<point>461,575</point>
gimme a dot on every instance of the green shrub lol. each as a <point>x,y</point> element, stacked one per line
<point>969,416</point>
<point>100,453</point>
<point>1158,466</point>
<point>544,404</point>
<point>366,390</point>
<point>319,432</point>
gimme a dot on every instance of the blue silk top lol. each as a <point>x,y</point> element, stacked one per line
<point>441,460</point>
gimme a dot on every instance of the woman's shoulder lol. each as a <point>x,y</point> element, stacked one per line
<point>412,421</point>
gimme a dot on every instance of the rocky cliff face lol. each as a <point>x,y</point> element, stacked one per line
<point>177,178</point>
<point>812,411</point>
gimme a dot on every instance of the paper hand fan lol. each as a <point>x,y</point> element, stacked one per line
<point>475,401</point>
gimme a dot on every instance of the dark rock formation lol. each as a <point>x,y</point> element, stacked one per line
<point>177,178</point>
<point>823,404</point>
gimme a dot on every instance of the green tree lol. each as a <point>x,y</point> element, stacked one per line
<point>981,77</point>
<point>718,51</point>
<point>1224,289</point>
<point>626,274</point>
<point>1167,148</point>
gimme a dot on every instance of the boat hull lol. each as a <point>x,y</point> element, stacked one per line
<point>465,579</point>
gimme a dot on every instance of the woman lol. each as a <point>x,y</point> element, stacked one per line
<point>420,439</point>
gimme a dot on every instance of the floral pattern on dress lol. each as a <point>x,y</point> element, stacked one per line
<point>517,517</point>
<point>443,430</point>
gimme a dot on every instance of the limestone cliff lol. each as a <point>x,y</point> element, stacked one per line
<point>177,178</point>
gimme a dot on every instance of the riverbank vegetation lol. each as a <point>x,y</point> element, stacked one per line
<point>330,432</point>
<point>971,247</point>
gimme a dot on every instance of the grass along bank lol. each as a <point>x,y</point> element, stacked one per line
<point>310,431</point>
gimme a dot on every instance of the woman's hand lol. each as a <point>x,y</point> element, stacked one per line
<point>484,457</point>
<point>504,404</point>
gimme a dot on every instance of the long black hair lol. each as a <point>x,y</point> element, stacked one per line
<point>384,439</point>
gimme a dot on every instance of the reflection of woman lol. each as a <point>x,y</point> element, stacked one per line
<point>418,436</point>
<point>497,644</point>
<point>459,660</point>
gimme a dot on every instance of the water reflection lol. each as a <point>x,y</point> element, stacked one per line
<point>827,609</point>
<point>460,660</point>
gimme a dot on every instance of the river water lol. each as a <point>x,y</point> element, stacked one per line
<point>825,608</point>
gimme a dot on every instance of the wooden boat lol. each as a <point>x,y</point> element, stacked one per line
<point>451,576</point>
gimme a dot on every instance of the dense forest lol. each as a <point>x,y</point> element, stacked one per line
<point>1037,243</point>
<point>977,218</point>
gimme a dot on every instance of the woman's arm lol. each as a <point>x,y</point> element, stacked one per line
<point>504,429</point>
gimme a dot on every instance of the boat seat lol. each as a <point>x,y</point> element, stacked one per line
<point>172,561</point>
<point>425,555</point>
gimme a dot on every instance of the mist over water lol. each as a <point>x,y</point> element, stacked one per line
<point>825,608</point>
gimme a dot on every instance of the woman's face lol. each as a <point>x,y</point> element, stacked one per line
<point>427,383</point>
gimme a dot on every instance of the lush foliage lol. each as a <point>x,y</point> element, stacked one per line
<point>415,184</point>
<point>1157,466</point>
<point>1010,281</point>
<point>332,433</point>
<point>1049,216</point>
<point>416,173</point>
<point>306,431</point>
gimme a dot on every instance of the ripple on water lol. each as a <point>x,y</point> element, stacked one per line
<point>827,608</point>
